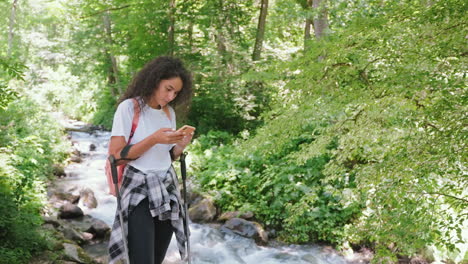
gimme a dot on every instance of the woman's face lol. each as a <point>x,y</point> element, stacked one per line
<point>166,92</point>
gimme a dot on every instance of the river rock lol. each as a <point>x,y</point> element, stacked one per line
<point>58,170</point>
<point>72,252</point>
<point>73,189</point>
<point>203,211</point>
<point>309,258</point>
<point>76,156</point>
<point>59,196</point>
<point>72,234</point>
<point>52,220</point>
<point>81,224</point>
<point>194,197</point>
<point>418,260</point>
<point>363,255</point>
<point>87,236</point>
<point>88,224</point>
<point>98,251</point>
<point>92,147</point>
<point>235,214</point>
<point>247,229</point>
<point>98,228</point>
<point>69,210</point>
<point>87,198</point>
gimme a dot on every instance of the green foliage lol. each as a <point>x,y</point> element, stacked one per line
<point>264,175</point>
<point>366,143</point>
<point>19,220</point>
<point>10,70</point>
<point>105,115</point>
<point>30,143</point>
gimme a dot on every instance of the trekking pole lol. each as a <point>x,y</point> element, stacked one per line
<point>183,171</point>
<point>115,180</point>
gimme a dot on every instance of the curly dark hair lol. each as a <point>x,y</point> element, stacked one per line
<point>148,78</point>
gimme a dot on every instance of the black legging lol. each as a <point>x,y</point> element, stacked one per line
<point>148,237</point>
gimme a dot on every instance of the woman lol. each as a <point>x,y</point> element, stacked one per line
<point>151,202</point>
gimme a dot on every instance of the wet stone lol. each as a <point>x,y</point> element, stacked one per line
<point>247,229</point>
<point>87,198</point>
<point>69,210</point>
<point>204,211</point>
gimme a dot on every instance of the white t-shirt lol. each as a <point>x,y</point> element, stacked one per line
<point>157,157</point>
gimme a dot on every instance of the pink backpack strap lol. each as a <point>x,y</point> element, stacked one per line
<point>136,117</point>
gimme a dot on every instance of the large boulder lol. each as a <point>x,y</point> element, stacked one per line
<point>87,198</point>
<point>72,234</point>
<point>69,210</point>
<point>62,197</point>
<point>87,224</point>
<point>98,228</point>
<point>71,252</point>
<point>194,197</point>
<point>203,211</point>
<point>52,220</point>
<point>75,253</point>
<point>247,229</point>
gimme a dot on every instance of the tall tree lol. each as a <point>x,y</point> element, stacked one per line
<point>220,39</point>
<point>113,73</point>
<point>260,30</point>
<point>307,6</point>
<point>318,19</point>
<point>11,27</point>
<point>321,19</point>
<point>171,27</point>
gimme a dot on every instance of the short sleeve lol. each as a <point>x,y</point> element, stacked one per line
<point>122,124</point>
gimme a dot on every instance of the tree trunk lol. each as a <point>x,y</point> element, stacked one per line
<point>321,21</point>
<point>307,24</point>
<point>113,73</point>
<point>219,35</point>
<point>171,27</point>
<point>11,27</point>
<point>260,30</point>
<point>190,34</point>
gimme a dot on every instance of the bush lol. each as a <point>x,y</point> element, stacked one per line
<point>30,143</point>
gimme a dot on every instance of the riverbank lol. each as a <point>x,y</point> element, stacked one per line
<point>216,238</point>
<point>210,241</point>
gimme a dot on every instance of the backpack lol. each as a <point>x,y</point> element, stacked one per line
<point>121,168</point>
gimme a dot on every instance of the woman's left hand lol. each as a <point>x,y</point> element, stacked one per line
<point>185,140</point>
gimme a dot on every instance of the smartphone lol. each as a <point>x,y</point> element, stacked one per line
<point>186,129</point>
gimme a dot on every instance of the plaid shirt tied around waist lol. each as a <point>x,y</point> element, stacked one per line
<point>162,190</point>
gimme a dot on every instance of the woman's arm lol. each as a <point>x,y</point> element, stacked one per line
<point>162,136</point>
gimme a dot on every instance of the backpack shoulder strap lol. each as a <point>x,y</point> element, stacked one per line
<point>136,118</point>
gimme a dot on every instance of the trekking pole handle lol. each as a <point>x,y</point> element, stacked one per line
<point>183,168</point>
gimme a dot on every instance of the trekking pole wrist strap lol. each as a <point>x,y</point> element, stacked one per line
<point>124,152</point>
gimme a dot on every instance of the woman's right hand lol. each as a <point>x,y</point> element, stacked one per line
<point>167,136</point>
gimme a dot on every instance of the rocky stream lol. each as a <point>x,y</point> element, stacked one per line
<point>82,210</point>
